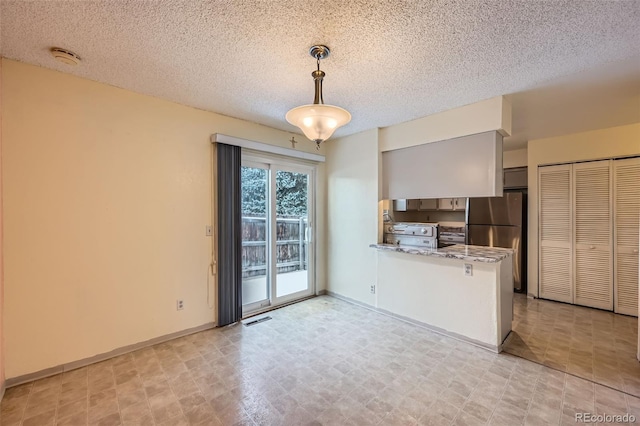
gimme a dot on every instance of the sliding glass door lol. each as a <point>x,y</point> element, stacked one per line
<point>255,235</point>
<point>277,225</point>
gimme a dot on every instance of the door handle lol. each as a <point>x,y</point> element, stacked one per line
<point>635,250</point>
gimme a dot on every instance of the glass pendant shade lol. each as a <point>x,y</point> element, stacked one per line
<point>318,121</point>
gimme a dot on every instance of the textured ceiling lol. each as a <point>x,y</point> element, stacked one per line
<point>391,61</point>
<point>605,96</point>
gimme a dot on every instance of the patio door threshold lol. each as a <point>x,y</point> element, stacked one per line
<point>274,307</point>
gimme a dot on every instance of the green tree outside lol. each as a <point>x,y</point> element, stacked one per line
<point>291,193</point>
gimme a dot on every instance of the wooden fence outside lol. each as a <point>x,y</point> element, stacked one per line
<point>292,246</point>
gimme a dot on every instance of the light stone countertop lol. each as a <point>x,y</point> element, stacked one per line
<point>458,251</point>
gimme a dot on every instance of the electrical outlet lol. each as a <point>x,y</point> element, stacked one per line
<point>372,289</point>
<point>179,305</point>
<point>209,231</point>
<point>468,269</point>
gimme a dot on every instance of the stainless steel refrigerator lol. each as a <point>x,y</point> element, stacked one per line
<point>501,222</point>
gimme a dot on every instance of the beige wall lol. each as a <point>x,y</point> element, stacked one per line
<point>598,144</point>
<point>484,116</point>
<point>354,185</point>
<point>106,197</point>
<point>352,200</point>
<point>321,228</point>
<point>515,158</point>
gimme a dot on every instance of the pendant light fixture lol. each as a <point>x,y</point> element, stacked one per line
<point>318,121</point>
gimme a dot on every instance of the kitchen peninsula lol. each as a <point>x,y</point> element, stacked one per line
<point>462,291</point>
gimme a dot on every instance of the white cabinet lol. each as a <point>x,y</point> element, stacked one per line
<point>429,204</point>
<point>556,277</point>
<point>626,190</point>
<point>405,205</point>
<point>445,204</point>
<point>460,203</point>
<point>592,234</point>
<point>452,203</point>
<point>589,227</point>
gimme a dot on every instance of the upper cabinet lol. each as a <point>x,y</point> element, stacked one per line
<point>516,178</point>
<point>452,204</point>
<point>406,205</point>
<point>430,204</point>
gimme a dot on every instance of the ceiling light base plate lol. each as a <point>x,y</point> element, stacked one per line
<point>319,51</point>
<point>65,56</point>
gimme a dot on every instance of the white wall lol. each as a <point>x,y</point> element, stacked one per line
<point>434,291</point>
<point>106,198</point>
<point>598,144</point>
<point>472,165</point>
<point>514,158</point>
<point>352,200</point>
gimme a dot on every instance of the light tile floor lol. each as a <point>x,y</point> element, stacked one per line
<point>319,362</point>
<point>589,343</point>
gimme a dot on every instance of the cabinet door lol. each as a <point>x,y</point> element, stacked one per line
<point>626,234</point>
<point>555,239</point>
<point>593,267</point>
<point>429,204</point>
<point>460,203</point>
<point>400,205</point>
<point>413,204</point>
<point>405,205</point>
<point>445,204</point>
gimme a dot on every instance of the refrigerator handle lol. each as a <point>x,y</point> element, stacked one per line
<point>466,217</point>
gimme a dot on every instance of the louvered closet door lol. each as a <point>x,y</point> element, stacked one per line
<point>554,195</point>
<point>593,265</point>
<point>626,234</point>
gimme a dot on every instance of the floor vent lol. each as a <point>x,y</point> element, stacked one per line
<point>256,321</point>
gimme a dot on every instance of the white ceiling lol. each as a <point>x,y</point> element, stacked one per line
<point>391,61</point>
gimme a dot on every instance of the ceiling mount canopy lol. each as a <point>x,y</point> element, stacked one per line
<point>318,121</point>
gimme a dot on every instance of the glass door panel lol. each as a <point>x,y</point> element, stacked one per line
<point>255,236</point>
<point>292,234</point>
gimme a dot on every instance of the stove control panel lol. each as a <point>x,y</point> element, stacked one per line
<point>412,234</point>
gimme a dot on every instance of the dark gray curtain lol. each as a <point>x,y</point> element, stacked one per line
<point>229,235</point>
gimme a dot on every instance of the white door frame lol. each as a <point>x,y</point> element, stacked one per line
<point>272,164</point>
